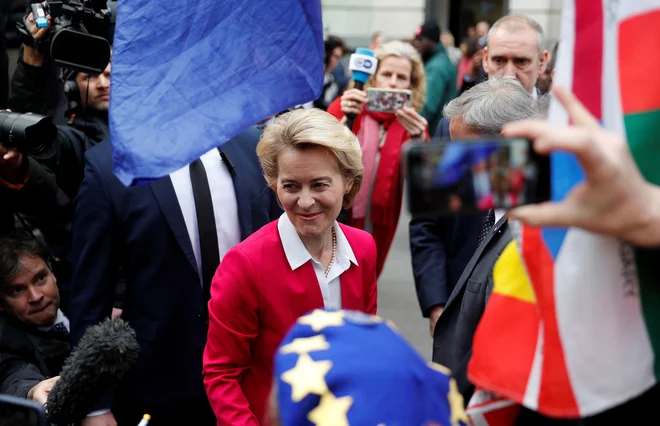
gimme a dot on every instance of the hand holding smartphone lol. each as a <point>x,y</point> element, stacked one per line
<point>388,100</point>
<point>468,176</point>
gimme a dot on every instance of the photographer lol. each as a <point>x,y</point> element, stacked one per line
<point>35,88</point>
<point>37,187</point>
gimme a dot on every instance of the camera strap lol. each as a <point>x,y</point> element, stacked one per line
<point>26,36</point>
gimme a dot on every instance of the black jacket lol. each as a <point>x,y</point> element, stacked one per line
<point>454,331</point>
<point>39,90</point>
<point>45,201</point>
<point>27,356</point>
<point>440,248</point>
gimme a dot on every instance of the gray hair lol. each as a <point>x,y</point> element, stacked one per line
<point>544,105</point>
<point>488,106</point>
<point>518,22</point>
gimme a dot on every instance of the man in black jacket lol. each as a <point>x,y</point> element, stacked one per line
<point>493,103</point>
<point>33,330</point>
<point>36,88</point>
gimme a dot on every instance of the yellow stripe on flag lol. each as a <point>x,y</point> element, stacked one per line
<point>510,277</point>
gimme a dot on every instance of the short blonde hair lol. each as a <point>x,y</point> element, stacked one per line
<point>304,128</point>
<point>417,77</point>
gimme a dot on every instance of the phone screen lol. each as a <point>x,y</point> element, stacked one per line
<point>447,177</point>
<point>388,100</point>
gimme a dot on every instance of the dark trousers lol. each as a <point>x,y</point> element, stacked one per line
<point>194,412</point>
<point>639,411</point>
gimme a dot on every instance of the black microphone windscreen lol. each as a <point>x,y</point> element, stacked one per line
<point>104,354</point>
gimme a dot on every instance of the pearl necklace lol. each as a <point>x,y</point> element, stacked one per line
<point>334,250</point>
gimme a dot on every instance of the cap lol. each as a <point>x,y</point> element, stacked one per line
<point>430,30</point>
<point>346,367</point>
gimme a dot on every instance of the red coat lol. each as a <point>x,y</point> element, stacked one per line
<point>255,299</point>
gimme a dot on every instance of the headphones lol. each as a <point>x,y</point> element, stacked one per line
<point>71,90</point>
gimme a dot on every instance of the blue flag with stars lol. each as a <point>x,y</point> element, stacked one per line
<point>187,75</point>
<point>349,368</point>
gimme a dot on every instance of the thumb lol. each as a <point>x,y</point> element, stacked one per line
<point>11,155</point>
<point>548,214</point>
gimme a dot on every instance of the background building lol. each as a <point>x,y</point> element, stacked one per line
<point>356,20</point>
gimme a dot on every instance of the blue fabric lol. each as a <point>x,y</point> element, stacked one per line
<point>566,172</point>
<point>187,75</point>
<point>387,381</point>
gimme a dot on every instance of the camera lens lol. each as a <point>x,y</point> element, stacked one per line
<point>29,133</point>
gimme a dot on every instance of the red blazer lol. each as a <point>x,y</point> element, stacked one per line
<point>255,299</point>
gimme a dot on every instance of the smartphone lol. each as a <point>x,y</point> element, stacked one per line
<point>388,100</point>
<point>468,176</point>
<point>20,411</point>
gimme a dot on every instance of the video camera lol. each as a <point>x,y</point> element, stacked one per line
<point>79,36</point>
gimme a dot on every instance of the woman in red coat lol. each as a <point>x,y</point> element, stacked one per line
<point>378,204</point>
<point>302,261</point>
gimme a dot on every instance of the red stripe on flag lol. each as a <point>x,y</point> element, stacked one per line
<point>502,343</point>
<point>588,55</point>
<point>638,60</point>
<point>556,396</point>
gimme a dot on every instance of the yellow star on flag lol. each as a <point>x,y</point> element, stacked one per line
<point>331,411</point>
<point>440,368</point>
<point>320,319</point>
<point>303,345</point>
<point>308,376</point>
<point>456,405</point>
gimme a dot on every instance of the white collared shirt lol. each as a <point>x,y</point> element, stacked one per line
<point>61,318</point>
<point>297,255</point>
<point>223,196</point>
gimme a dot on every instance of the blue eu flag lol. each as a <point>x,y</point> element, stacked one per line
<point>187,75</point>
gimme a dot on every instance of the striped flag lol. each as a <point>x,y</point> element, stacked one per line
<point>573,323</point>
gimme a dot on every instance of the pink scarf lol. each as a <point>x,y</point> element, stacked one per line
<point>369,137</point>
<point>384,193</point>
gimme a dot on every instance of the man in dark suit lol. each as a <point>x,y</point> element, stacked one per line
<point>168,237</point>
<point>33,330</point>
<point>483,110</point>
<point>440,248</point>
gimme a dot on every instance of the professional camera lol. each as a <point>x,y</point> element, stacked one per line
<point>78,38</point>
<point>28,133</point>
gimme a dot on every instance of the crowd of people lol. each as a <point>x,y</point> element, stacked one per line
<point>217,266</point>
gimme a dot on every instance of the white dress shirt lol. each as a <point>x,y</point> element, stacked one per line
<point>61,318</point>
<point>224,204</point>
<point>297,255</point>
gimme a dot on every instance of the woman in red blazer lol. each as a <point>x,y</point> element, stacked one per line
<point>303,261</point>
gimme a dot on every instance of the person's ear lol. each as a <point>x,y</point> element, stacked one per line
<point>543,62</point>
<point>484,60</point>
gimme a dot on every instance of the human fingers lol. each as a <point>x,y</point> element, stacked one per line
<point>562,214</point>
<point>579,140</point>
<point>577,112</point>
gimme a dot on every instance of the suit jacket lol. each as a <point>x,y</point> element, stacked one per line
<point>255,299</point>
<point>452,340</point>
<point>27,356</point>
<point>142,230</point>
<point>440,248</point>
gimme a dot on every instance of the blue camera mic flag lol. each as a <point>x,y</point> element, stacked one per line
<point>187,75</point>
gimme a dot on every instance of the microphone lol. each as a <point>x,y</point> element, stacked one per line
<point>363,64</point>
<point>104,354</point>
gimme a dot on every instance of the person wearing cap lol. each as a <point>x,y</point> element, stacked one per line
<point>303,261</point>
<point>440,73</point>
<point>341,368</point>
